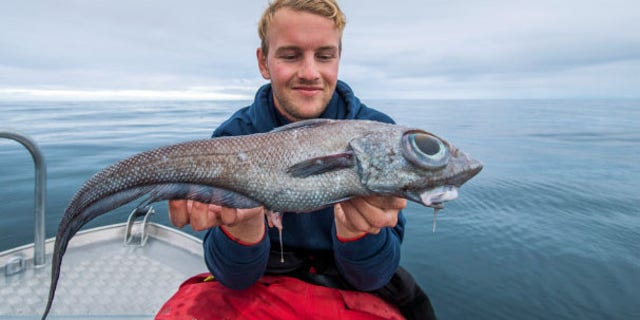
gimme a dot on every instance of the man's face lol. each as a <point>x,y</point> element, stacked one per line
<point>302,62</point>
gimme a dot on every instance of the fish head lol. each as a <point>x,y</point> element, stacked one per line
<point>413,164</point>
<point>438,168</point>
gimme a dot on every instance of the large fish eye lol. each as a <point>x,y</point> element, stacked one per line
<point>425,150</point>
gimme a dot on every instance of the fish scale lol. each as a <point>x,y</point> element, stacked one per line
<point>297,168</point>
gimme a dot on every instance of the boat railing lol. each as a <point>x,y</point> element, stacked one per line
<point>40,192</point>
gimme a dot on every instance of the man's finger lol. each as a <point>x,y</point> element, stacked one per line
<point>338,213</point>
<point>354,218</point>
<point>198,207</point>
<point>387,202</point>
<point>375,216</point>
<point>228,216</point>
<point>202,217</point>
<point>178,213</point>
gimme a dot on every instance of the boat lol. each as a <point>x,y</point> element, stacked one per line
<point>126,270</point>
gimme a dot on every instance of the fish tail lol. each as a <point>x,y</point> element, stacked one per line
<point>62,240</point>
<point>74,219</point>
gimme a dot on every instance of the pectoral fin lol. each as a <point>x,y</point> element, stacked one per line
<point>322,165</point>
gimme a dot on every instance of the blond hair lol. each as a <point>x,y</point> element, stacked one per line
<point>326,8</point>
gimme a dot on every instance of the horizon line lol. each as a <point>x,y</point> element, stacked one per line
<point>203,94</point>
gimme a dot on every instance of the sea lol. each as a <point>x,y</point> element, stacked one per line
<point>550,229</point>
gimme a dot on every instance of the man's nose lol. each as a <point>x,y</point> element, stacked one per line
<point>309,69</point>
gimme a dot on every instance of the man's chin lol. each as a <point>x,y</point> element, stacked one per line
<point>304,109</point>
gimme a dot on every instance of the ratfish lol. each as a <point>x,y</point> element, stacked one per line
<point>300,167</point>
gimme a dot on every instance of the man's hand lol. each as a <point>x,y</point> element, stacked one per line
<point>246,225</point>
<point>358,216</point>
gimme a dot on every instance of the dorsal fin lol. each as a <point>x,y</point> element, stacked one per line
<point>311,123</point>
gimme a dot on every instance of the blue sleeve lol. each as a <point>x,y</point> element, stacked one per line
<point>369,263</point>
<point>235,265</point>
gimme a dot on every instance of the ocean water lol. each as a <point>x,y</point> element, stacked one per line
<point>550,229</point>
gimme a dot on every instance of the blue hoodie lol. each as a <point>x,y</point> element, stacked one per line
<point>367,263</point>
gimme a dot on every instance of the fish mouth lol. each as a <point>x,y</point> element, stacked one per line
<point>467,169</point>
<point>435,198</point>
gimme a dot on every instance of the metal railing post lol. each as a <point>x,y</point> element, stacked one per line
<point>40,192</point>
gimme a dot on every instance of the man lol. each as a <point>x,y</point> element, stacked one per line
<point>359,238</point>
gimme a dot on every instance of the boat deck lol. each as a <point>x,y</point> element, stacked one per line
<point>101,277</point>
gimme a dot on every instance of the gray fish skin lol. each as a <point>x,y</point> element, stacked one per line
<point>301,167</point>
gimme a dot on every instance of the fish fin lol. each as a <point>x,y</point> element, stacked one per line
<point>322,164</point>
<point>200,193</point>
<point>311,123</point>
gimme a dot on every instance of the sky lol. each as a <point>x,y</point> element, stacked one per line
<point>405,49</point>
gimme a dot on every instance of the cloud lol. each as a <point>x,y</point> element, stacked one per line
<point>485,48</point>
<point>420,49</point>
<point>134,37</point>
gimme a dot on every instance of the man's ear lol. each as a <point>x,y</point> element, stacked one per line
<point>262,64</point>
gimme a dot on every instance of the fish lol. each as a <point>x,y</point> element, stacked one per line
<point>297,168</point>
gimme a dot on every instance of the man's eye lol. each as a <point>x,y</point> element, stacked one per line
<point>288,56</point>
<point>326,56</point>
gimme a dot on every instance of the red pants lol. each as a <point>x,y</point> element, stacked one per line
<point>272,297</point>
